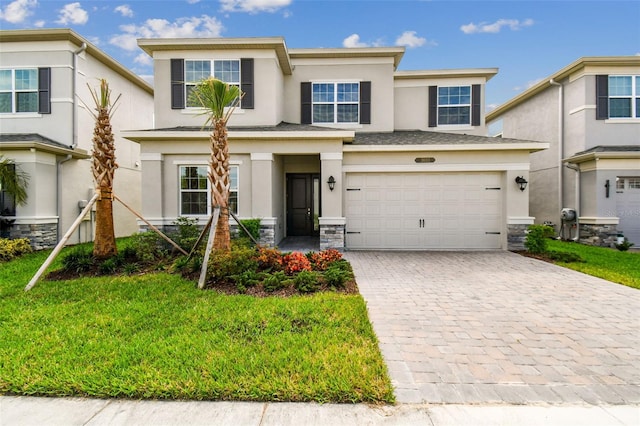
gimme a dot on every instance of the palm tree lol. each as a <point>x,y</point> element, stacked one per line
<point>219,99</point>
<point>103,168</point>
<point>13,181</point>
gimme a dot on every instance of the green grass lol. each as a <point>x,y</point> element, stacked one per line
<point>157,336</point>
<point>610,264</point>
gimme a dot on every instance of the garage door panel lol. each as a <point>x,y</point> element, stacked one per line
<point>424,210</point>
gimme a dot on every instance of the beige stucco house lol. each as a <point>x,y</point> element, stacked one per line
<point>336,143</point>
<point>589,111</point>
<point>47,130</point>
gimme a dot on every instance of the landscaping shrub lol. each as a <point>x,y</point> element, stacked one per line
<point>245,280</point>
<point>78,260</point>
<point>563,256</point>
<point>537,235</point>
<point>225,264</point>
<point>275,281</point>
<point>335,277</point>
<point>321,260</point>
<point>306,282</point>
<point>108,266</point>
<point>296,262</point>
<point>269,259</point>
<point>10,249</point>
<point>253,226</point>
<point>624,245</point>
<point>187,232</point>
<point>148,246</point>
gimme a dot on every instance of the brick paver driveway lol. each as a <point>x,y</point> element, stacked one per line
<point>495,327</point>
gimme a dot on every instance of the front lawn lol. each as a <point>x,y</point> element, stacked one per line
<point>610,264</point>
<point>157,336</point>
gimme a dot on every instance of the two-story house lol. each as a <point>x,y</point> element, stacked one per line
<point>336,143</point>
<point>46,127</point>
<point>589,111</point>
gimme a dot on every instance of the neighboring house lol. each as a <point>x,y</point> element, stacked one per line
<point>47,129</point>
<point>589,111</point>
<point>336,143</point>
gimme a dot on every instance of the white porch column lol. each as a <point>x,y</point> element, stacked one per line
<point>332,221</point>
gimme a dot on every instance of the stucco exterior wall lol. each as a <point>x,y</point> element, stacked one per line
<point>379,71</point>
<point>268,89</point>
<point>411,105</point>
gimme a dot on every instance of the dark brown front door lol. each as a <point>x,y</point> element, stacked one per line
<point>301,210</point>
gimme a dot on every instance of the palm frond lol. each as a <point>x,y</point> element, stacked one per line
<point>218,98</point>
<point>13,180</point>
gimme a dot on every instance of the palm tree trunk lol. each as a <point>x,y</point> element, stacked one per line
<point>219,179</point>
<point>104,166</point>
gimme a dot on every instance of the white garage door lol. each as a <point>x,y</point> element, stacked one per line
<point>628,206</point>
<point>423,211</point>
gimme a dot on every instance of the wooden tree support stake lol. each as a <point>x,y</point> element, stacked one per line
<point>61,243</point>
<point>244,228</point>
<point>207,252</point>
<point>156,230</point>
<point>200,238</point>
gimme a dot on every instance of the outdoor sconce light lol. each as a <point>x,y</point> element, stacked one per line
<point>522,182</point>
<point>332,183</point>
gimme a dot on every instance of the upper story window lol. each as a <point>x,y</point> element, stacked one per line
<point>185,74</point>
<point>454,105</point>
<point>196,71</point>
<point>624,96</point>
<point>336,102</point>
<point>195,196</point>
<point>19,90</point>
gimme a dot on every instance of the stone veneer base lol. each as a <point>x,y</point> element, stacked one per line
<point>332,236</point>
<point>41,235</point>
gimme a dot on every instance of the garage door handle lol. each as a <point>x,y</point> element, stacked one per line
<point>353,232</point>
<point>493,189</point>
<point>353,189</point>
<point>492,233</point>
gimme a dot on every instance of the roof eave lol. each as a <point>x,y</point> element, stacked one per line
<point>41,146</point>
<point>593,156</point>
<point>156,136</point>
<point>150,45</point>
<point>565,72</point>
<point>350,52</point>
<point>486,73</point>
<point>527,146</point>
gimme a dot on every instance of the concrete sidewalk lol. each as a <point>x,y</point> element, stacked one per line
<point>26,411</point>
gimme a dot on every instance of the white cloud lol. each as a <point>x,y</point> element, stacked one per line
<point>17,11</point>
<point>491,107</point>
<point>124,10</point>
<point>411,40</point>
<point>72,13</point>
<point>253,6</point>
<point>495,27</point>
<point>192,27</point>
<point>143,59</point>
<point>193,1</point>
<point>39,24</point>
<point>353,41</point>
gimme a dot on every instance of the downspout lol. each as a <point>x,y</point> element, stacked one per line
<point>578,209</point>
<point>74,133</point>
<point>552,82</point>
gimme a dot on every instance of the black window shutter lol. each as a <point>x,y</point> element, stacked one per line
<point>305,103</point>
<point>177,84</point>
<point>433,106</point>
<point>602,97</point>
<point>44,90</point>
<point>365,102</point>
<point>475,105</point>
<point>246,82</point>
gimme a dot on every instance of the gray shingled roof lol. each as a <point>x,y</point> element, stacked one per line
<point>402,137</point>
<point>30,137</point>
<point>418,137</point>
<point>612,148</point>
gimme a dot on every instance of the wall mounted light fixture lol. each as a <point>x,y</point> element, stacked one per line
<point>331,182</point>
<point>522,183</point>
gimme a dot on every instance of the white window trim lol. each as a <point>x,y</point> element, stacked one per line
<point>198,110</point>
<point>635,94</point>
<point>335,103</point>
<point>180,164</point>
<point>13,91</point>
<point>457,126</point>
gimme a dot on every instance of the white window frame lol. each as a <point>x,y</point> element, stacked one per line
<point>233,188</point>
<point>468,123</point>
<point>212,64</point>
<point>14,92</point>
<point>634,97</point>
<point>335,103</point>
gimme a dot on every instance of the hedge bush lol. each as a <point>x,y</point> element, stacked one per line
<point>10,249</point>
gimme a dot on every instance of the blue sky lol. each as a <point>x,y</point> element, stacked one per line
<point>526,40</point>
